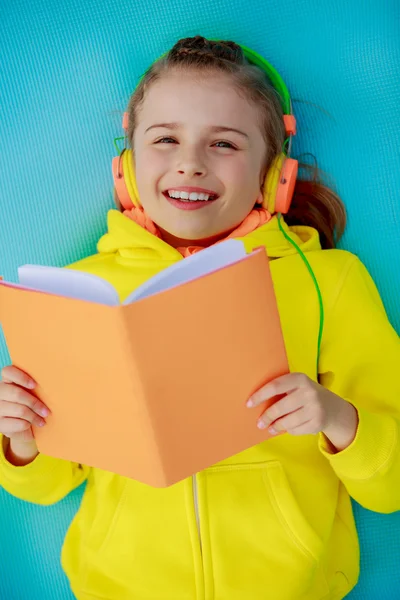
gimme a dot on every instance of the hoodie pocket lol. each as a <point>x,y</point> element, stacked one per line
<point>139,546</point>
<point>289,514</point>
<point>260,541</point>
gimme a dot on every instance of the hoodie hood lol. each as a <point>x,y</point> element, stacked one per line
<point>128,239</point>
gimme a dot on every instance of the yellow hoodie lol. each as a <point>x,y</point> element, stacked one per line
<point>274,521</point>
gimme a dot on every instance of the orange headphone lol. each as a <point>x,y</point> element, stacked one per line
<point>279,183</point>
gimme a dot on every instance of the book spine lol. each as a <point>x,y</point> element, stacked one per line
<point>150,467</point>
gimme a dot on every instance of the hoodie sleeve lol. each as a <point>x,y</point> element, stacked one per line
<point>44,481</point>
<point>360,361</point>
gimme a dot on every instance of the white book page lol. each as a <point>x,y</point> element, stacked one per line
<point>197,265</point>
<point>68,283</point>
<point>89,287</point>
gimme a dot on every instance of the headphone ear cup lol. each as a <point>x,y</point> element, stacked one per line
<point>125,180</point>
<point>287,182</point>
<point>271,183</point>
<point>279,184</point>
<point>119,183</point>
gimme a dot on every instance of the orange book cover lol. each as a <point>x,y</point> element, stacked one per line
<point>154,390</point>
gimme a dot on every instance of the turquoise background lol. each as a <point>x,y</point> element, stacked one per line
<point>67,70</point>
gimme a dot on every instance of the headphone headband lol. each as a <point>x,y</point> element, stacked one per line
<point>277,81</point>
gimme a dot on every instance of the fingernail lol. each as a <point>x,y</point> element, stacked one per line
<point>272,430</point>
<point>261,425</point>
<point>31,384</point>
<point>249,403</point>
<point>41,423</point>
<point>44,412</point>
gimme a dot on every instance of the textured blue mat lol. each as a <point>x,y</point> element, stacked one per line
<point>67,71</point>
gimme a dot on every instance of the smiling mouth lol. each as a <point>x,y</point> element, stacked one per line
<point>190,197</point>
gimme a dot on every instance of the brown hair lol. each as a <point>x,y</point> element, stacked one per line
<point>314,203</point>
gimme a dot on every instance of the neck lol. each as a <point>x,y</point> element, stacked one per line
<point>177,242</point>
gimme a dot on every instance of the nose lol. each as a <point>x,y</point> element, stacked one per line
<point>191,164</point>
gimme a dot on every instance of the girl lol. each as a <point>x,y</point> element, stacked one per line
<point>207,131</point>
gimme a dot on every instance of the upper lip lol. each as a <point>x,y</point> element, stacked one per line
<point>190,189</point>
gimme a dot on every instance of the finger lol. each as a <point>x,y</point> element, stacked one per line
<point>10,426</point>
<point>305,428</point>
<point>288,404</point>
<point>15,394</point>
<point>11,374</point>
<point>289,422</point>
<point>281,385</point>
<point>20,411</point>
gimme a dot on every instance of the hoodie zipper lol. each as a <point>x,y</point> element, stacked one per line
<point>200,592</point>
<point>196,510</point>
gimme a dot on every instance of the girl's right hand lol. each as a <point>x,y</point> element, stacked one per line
<point>19,409</point>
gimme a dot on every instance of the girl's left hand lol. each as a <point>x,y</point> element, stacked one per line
<point>307,407</point>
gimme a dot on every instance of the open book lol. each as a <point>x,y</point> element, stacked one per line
<point>154,389</point>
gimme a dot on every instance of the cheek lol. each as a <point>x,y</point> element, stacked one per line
<point>149,166</point>
<point>239,173</point>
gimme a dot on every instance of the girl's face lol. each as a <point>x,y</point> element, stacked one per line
<point>196,134</point>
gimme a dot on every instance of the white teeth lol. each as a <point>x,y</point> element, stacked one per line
<point>193,196</point>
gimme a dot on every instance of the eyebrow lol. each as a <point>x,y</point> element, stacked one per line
<point>214,128</point>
